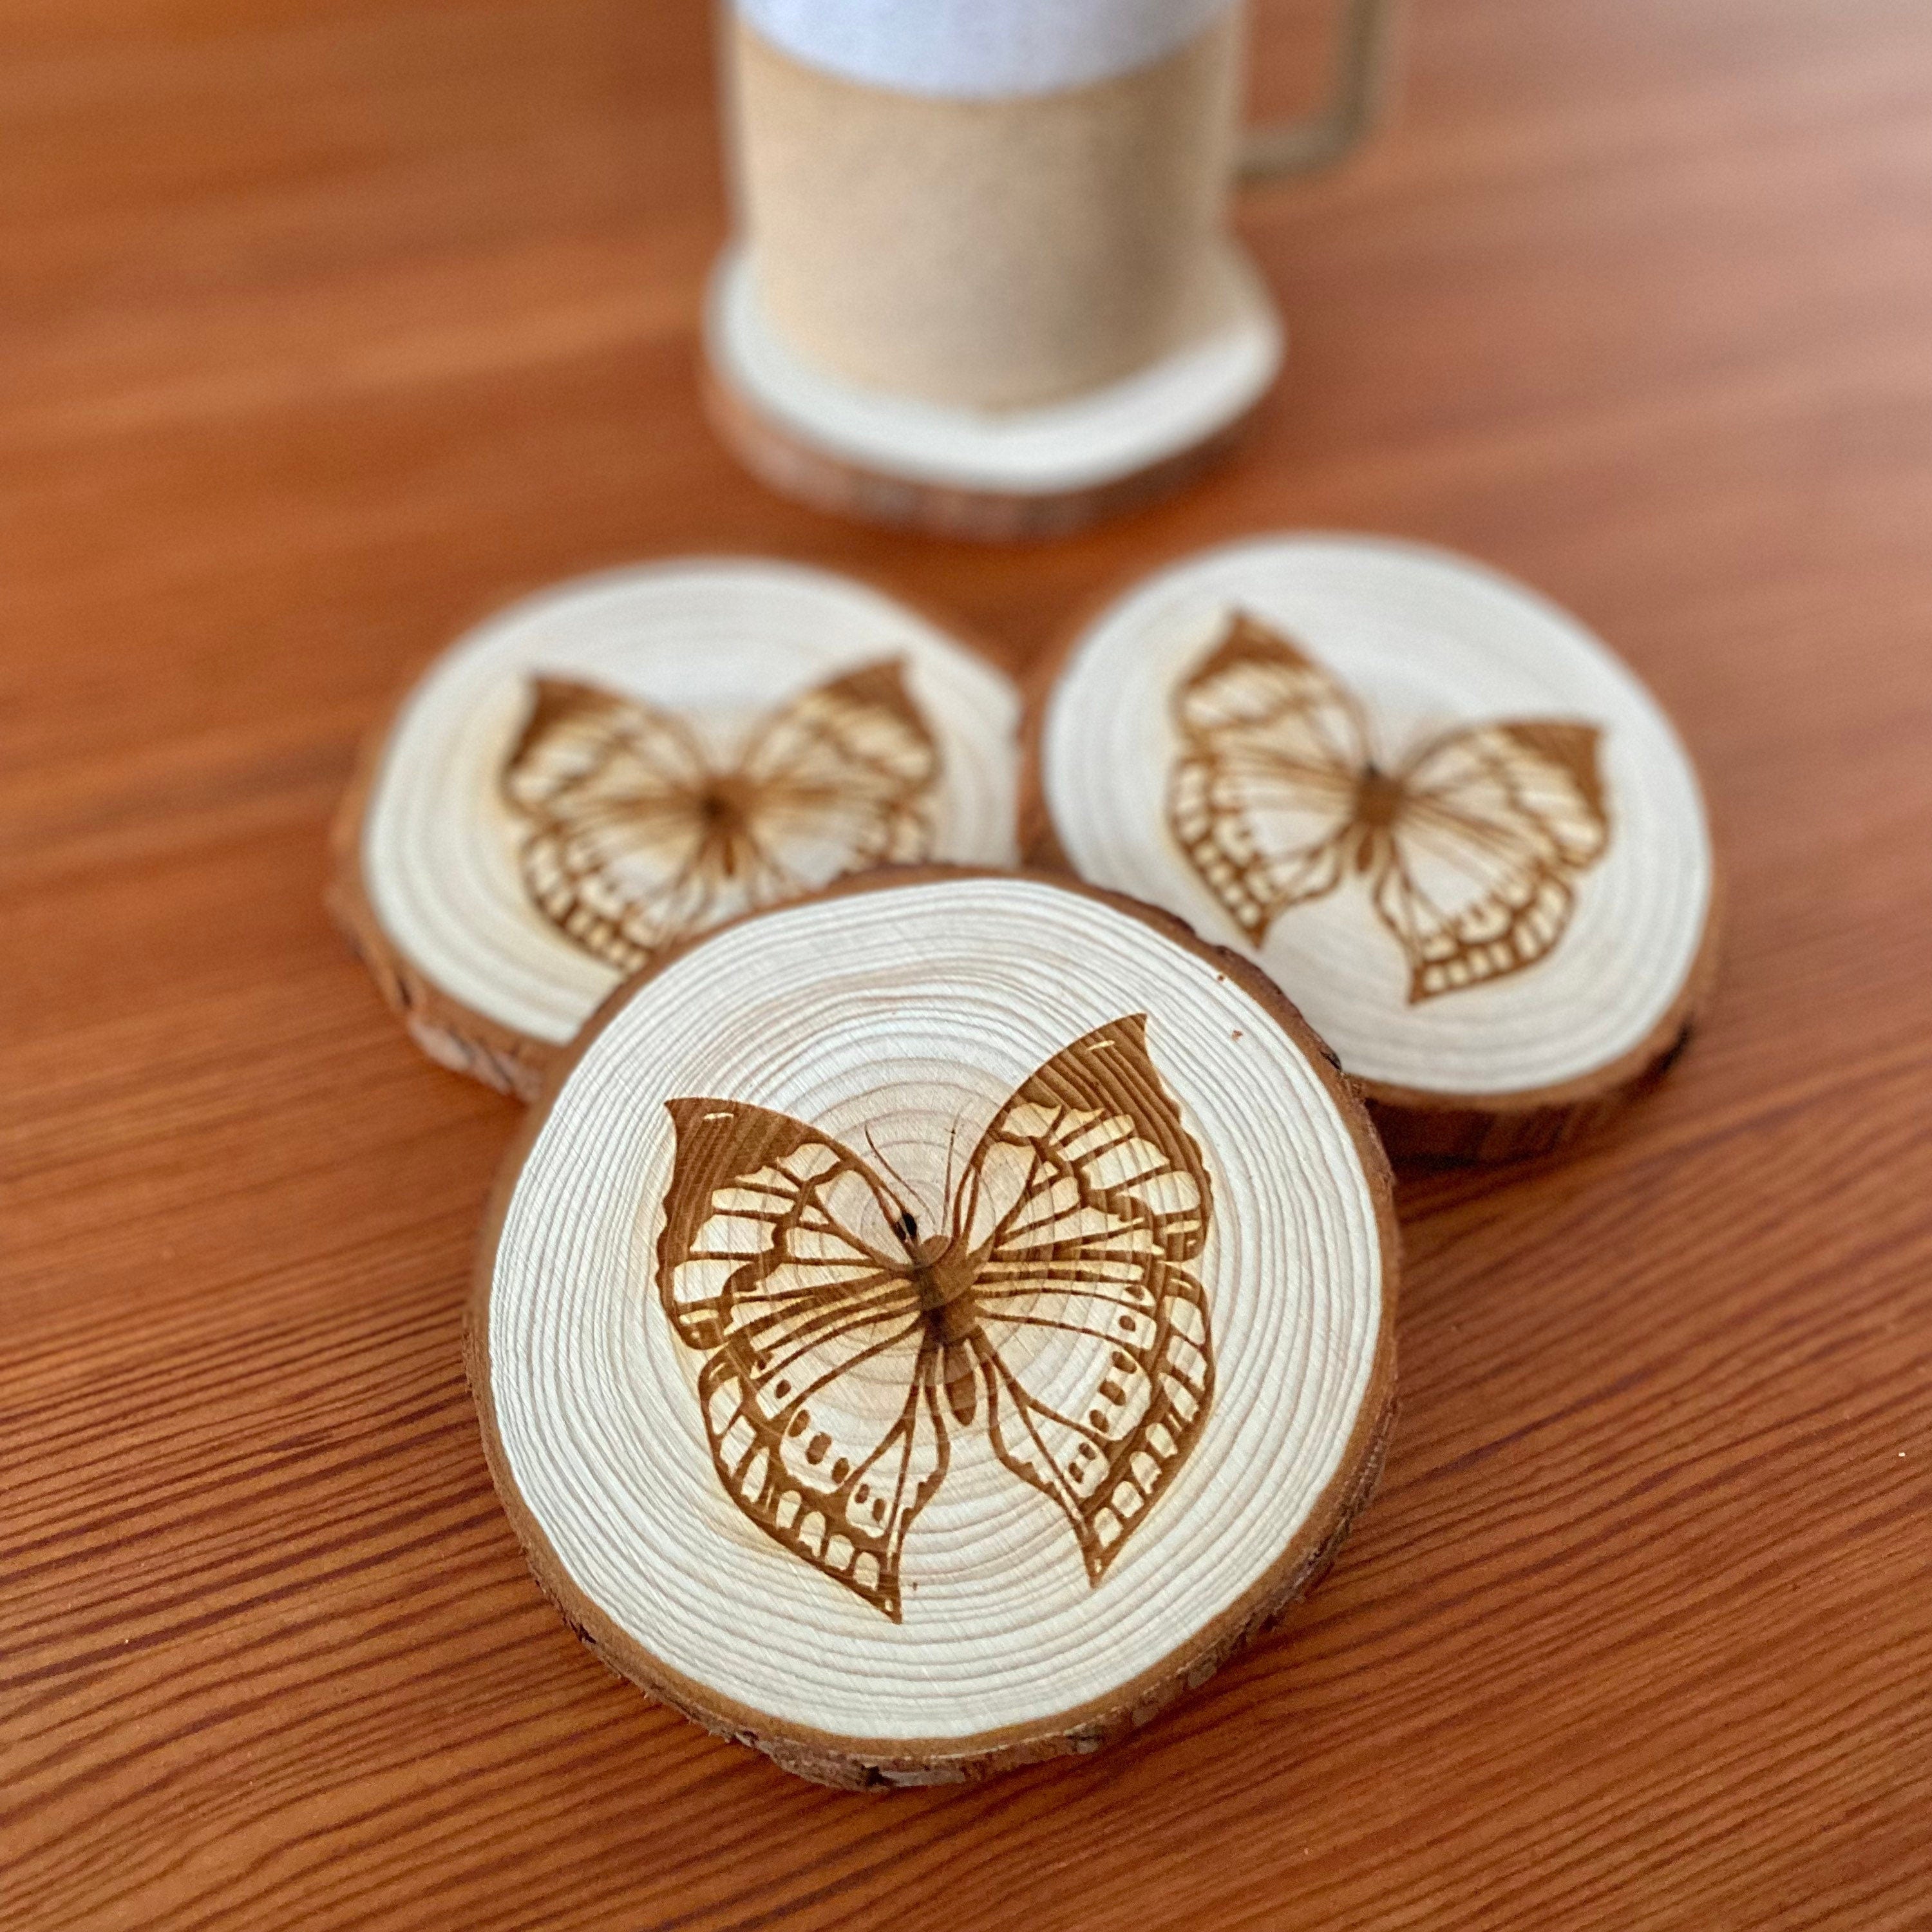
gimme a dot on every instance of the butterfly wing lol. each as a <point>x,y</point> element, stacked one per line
<point>608,787</point>
<point>842,779</point>
<point>778,1264</point>
<point>1261,795</point>
<point>1496,821</point>
<point>1084,1200</point>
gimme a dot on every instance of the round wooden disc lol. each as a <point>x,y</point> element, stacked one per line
<point>925,1327</point>
<point>604,768</point>
<point>994,475</point>
<point>1431,806</point>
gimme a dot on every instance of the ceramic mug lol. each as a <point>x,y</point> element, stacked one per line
<point>1001,204</point>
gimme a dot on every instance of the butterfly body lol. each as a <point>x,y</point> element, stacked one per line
<point>1378,803</point>
<point>723,804</point>
<point>943,1270</point>
<point>1377,810</point>
<point>1469,845</point>
<point>841,1348</point>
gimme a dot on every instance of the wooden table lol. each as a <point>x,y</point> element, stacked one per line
<point>328,324</point>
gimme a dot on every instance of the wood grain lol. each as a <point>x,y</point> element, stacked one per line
<point>1094,803</point>
<point>491,982</point>
<point>327,326</point>
<point>988,1626</point>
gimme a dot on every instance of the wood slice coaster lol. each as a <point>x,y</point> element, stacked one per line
<point>997,475</point>
<point>605,768</point>
<point>1436,808</point>
<point>926,1326</point>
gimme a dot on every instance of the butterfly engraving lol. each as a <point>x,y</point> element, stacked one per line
<point>1470,843</point>
<point>636,835</point>
<point>844,1339</point>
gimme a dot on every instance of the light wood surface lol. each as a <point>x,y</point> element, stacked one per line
<point>329,326</point>
<point>730,691</point>
<point>1301,745</point>
<point>980,1209</point>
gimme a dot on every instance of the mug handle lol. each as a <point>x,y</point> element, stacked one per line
<point>1364,44</point>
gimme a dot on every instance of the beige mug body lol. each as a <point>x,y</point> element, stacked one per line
<point>1000,244</point>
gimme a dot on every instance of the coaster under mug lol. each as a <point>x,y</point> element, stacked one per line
<point>982,281</point>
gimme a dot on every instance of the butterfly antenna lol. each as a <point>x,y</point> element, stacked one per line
<point>952,1142</point>
<point>887,1165</point>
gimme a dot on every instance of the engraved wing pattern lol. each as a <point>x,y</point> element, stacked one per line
<point>1263,792</point>
<point>778,1264</point>
<point>1470,845</point>
<point>1496,822</point>
<point>1092,1196</point>
<point>635,835</point>
<point>841,1351</point>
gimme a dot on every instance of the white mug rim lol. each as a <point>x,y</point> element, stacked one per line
<point>979,49</point>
